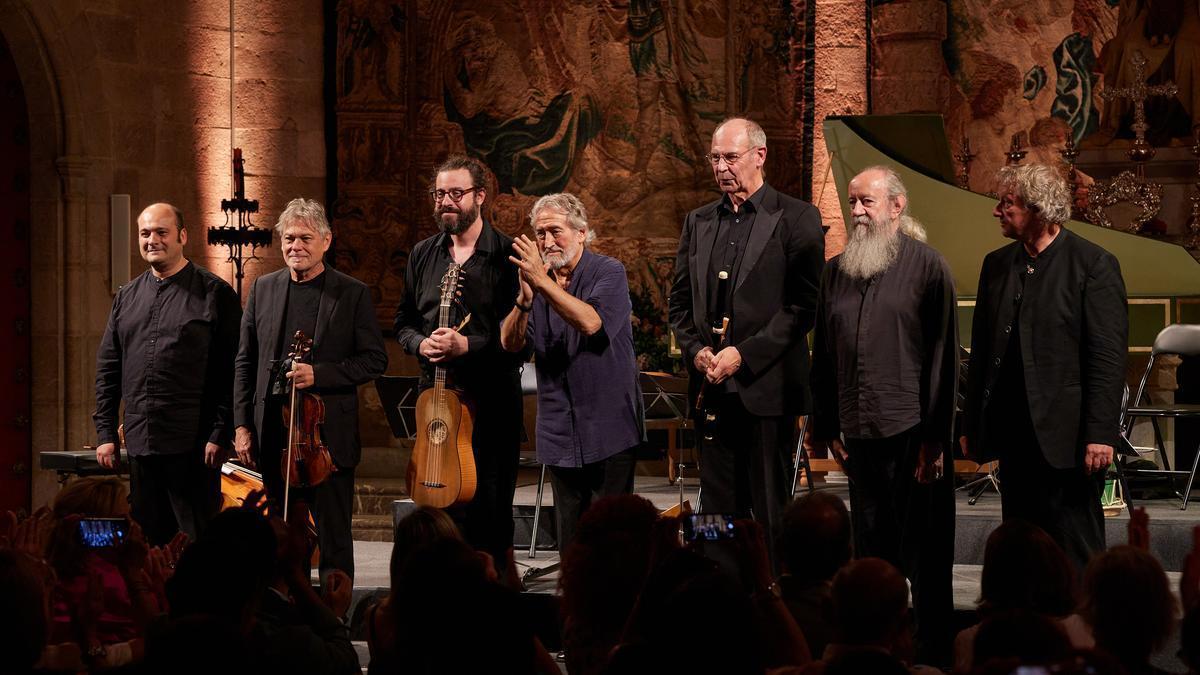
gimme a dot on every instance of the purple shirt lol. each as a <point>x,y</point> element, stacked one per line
<point>589,400</point>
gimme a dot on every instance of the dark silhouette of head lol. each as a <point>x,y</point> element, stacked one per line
<point>445,584</point>
<point>1127,601</point>
<point>238,537</point>
<point>870,604</point>
<point>1024,569</point>
<point>603,570</point>
<point>685,584</point>
<point>815,541</point>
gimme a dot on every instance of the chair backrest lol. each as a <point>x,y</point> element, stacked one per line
<point>1178,338</point>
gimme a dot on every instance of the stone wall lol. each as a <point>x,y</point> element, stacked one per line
<point>132,97</point>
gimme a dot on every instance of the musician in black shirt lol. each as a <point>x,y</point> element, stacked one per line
<point>167,352</point>
<point>475,362</point>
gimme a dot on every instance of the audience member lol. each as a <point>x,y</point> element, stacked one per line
<point>422,527</point>
<point>459,619</point>
<point>814,544</point>
<point>747,627</point>
<point>869,605</point>
<point>23,623</point>
<point>105,594</point>
<point>1127,601</point>
<point>265,596</point>
<point>602,572</point>
<point>1019,637</point>
<point>1024,570</point>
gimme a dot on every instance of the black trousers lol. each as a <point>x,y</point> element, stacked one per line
<point>331,503</point>
<point>576,488</point>
<point>487,522</point>
<point>173,493</point>
<point>746,469</point>
<point>1063,502</point>
<point>911,525</point>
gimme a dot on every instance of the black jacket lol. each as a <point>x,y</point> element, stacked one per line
<point>1074,328</point>
<point>347,351</point>
<point>774,301</point>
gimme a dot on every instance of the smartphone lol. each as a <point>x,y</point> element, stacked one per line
<point>708,527</point>
<point>102,532</point>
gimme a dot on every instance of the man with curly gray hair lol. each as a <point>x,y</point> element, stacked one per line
<point>573,309</point>
<point>1048,348</point>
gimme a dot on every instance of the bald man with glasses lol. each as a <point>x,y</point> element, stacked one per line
<point>755,257</point>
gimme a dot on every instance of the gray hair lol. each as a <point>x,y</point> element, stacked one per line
<point>308,210</point>
<point>568,205</point>
<point>1041,187</point>
<point>754,132</point>
<point>896,189</point>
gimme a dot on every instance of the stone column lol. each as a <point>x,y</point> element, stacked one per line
<point>839,88</point>
<point>909,70</point>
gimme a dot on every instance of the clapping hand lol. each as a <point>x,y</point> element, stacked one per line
<point>528,259</point>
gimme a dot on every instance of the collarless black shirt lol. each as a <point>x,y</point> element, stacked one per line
<point>729,245</point>
<point>1011,415</point>
<point>488,292</point>
<point>168,352</point>
<point>303,300</point>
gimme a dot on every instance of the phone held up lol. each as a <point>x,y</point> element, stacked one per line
<point>102,532</point>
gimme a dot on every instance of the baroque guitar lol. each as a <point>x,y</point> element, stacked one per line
<point>442,470</point>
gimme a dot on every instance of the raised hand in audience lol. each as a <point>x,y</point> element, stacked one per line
<point>784,641</point>
<point>335,592</point>
<point>1139,529</point>
<point>29,536</point>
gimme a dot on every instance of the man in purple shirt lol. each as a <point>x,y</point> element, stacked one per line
<point>573,307</point>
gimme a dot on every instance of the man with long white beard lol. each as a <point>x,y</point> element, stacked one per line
<point>885,373</point>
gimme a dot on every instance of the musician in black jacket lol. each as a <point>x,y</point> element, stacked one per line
<point>1048,347</point>
<point>771,248</point>
<point>336,311</point>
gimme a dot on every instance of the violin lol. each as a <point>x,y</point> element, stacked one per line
<point>306,461</point>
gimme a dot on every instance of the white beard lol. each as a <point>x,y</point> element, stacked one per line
<point>871,249</point>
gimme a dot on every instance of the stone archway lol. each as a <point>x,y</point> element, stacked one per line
<point>61,179</point>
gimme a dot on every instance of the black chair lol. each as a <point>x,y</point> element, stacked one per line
<point>1181,340</point>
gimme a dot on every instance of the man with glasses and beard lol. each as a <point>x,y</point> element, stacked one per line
<point>475,363</point>
<point>885,374</point>
<point>755,257</point>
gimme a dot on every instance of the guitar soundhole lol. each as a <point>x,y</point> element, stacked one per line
<point>437,431</point>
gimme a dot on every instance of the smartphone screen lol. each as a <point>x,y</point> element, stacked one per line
<point>101,532</point>
<point>708,527</point>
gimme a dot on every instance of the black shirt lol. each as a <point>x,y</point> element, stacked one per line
<point>885,352</point>
<point>303,300</point>
<point>489,289</point>
<point>168,353</point>
<point>729,243</point>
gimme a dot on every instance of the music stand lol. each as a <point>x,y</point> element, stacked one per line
<point>398,394</point>
<point>666,407</point>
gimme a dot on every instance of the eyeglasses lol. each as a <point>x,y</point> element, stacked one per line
<point>730,158</point>
<point>456,194</point>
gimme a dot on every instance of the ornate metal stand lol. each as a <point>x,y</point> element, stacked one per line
<point>964,157</point>
<point>1132,186</point>
<point>1069,154</point>
<point>1016,151</point>
<point>245,233</point>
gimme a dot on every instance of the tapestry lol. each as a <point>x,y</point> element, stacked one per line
<point>613,100</point>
